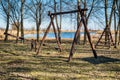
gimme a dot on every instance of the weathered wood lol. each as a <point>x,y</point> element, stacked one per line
<point>46,32</point>
<point>76,35</point>
<point>51,24</point>
<point>56,37</point>
<point>89,37</point>
<point>100,38</point>
<point>67,12</point>
<point>109,40</point>
<point>74,41</point>
<point>52,15</point>
<point>15,36</point>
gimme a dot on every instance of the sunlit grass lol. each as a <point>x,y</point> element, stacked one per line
<point>17,62</point>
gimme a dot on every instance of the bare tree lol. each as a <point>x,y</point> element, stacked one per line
<point>35,12</point>
<point>22,16</point>
<point>115,29</point>
<point>118,27</point>
<point>78,21</point>
<point>60,21</point>
<point>55,10</point>
<point>15,15</point>
<point>6,10</point>
<point>115,26</point>
<point>58,26</point>
<point>108,21</point>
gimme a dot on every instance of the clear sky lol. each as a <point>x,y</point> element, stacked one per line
<point>66,22</point>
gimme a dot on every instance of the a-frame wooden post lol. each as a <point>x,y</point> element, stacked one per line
<point>83,20</point>
<point>52,15</point>
<point>109,41</point>
<point>46,32</point>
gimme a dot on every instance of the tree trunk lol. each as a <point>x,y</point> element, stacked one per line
<point>119,20</point>
<point>85,34</point>
<point>108,24</point>
<point>59,34</point>
<point>17,34</point>
<point>115,26</point>
<point>6,30</point>
<point>37,25</point>
<point>38,19</point>
<point>38,30</point>
<point>22,13</point>
<point>8,18</point>
<point>106,19</point>
<point>119,29</point>
<point>58,28</point>
<point>78,22</point>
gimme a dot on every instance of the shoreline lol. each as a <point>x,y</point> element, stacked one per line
<point>13,32</point>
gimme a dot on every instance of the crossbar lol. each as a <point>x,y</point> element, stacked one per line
<point>67,12</point>
<point>15,36</point>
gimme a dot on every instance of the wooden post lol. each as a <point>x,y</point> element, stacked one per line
<point>88,35</point>
<point>58,42</point>
<point>100,37</point>
<point>76,35</point>
<point>74,41</point>
<point>51,24</point>
<point>46,32</point>
<point>109,39</point>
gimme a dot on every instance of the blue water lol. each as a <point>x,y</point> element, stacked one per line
<point>63,35</point>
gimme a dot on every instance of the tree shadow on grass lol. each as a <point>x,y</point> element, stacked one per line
<point>100,60</point>
<point>2,73</point>
<point>19,69</point>
<point>5,51</point>
<point>14,77</point>
<point>18,61</point>
<point>56,58</point>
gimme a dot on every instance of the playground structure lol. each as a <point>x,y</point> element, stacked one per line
<point>82,21</point>
<point>105,41</point>
<point>21,38</point>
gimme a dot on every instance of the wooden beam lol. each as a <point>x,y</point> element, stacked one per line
<point>45,34</point>
<point>15,36</point>
<point>67,12</point>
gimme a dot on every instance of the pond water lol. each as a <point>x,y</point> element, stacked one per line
<point>63,35</point>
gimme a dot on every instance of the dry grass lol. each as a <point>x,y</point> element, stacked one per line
<point>18,63</point>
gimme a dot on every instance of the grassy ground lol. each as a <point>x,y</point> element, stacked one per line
<point>17,62</point>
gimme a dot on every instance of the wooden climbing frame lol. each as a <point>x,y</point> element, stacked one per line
<point>108,42</point>
<point>83,20</point>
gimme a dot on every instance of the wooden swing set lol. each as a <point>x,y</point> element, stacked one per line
<point>82,21</point>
